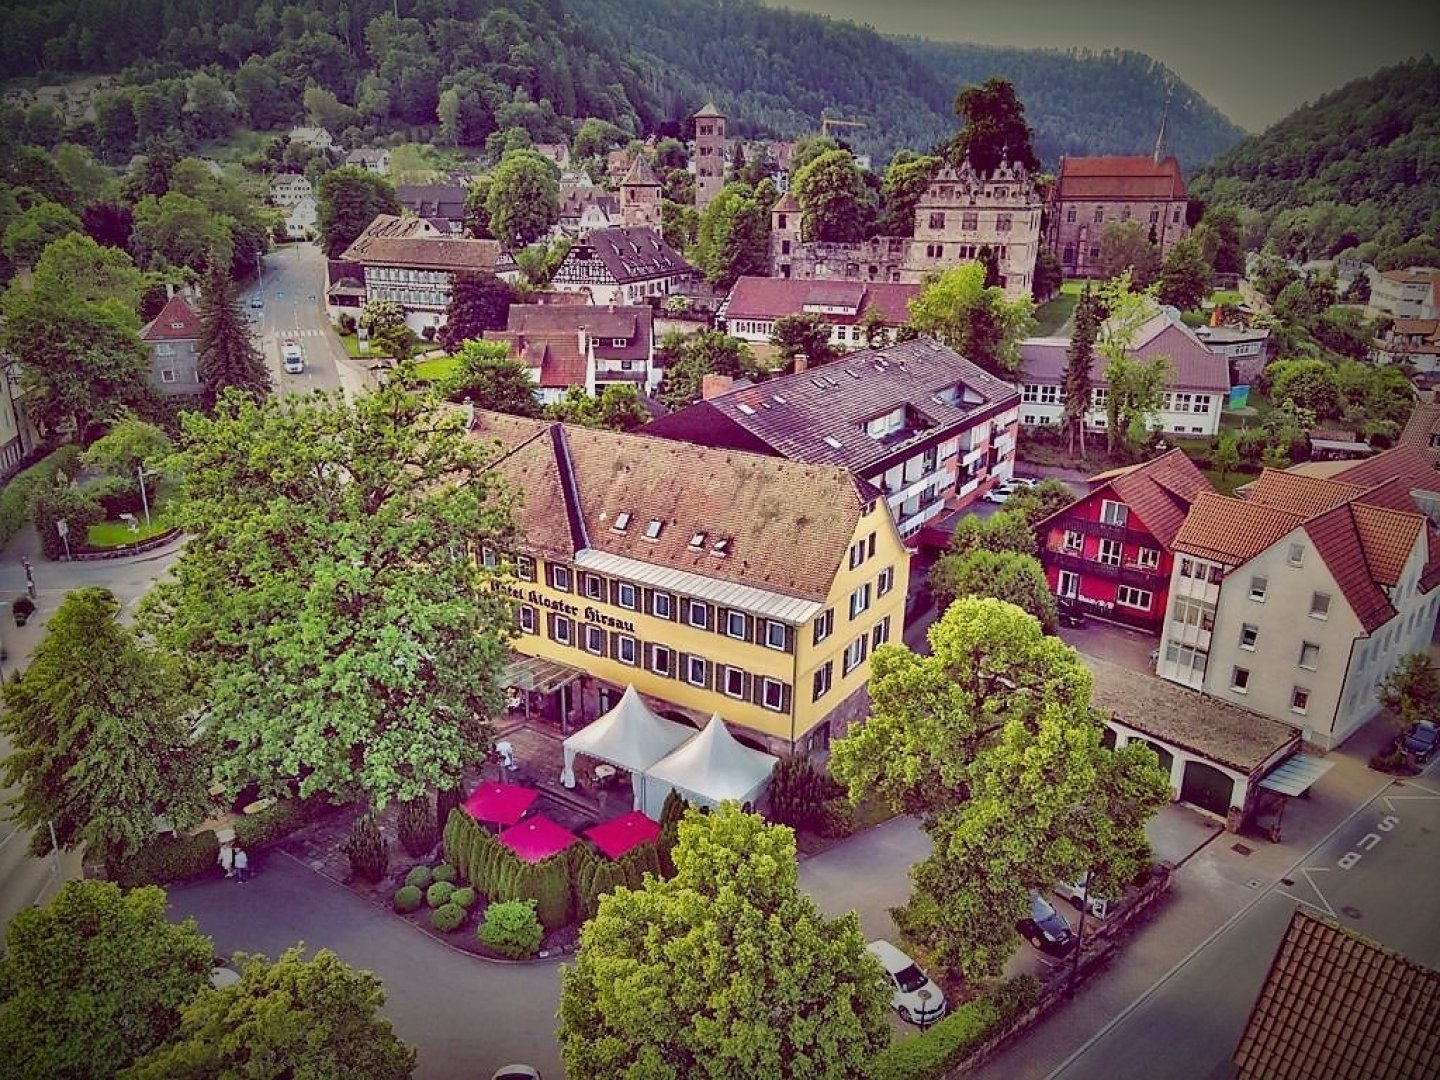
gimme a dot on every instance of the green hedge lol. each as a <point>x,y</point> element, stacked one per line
<point>946,1043</point>
<point>463,898</point>
<point>16,495</point>
<point>419,876</point>
<point>438,894</point>
<point>170,859</point>
<point>277,821</point>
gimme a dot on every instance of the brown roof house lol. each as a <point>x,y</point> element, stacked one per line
<point>1335,1004</point>
<point>1194,397</point>
<point>622,266</point>
<point>408,260</point>
<point>566,345</point>
<point>754,305</point>
<point>1422,431</point>
<point>925,426</point>
<point>1093,192</point>
<point>172,339</point>
<point>1297,600</point>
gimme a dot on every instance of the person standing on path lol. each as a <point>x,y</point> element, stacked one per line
<point>242,863</point>
<point>227,859</point>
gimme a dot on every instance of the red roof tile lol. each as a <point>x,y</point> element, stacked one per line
<point>1232,531</point>
<point>774,298</point>
<point>1119,178</point>
<point>177,321</point>
<point>1422,433</point>
<point>1161,492</point>
<point>1193,366</point>
<point>1299,494</point>
<point>413,243</point>
<point>557,354</point>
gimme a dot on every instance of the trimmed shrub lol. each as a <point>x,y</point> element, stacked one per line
<point>368,850</point>
<point>548,884</point>
<point>438,894</point>
<point>445,872</point>
<point>416,827</point>
<point>16,496</point>
<point>276,822</point>
<point>673,809</point>
<point>665,846</point>
<point>607,878</point>
<point>511,929</point>
<point>799,792</point>
<point>946,1043</point>
<point>447,917</point>
<point>457,837</point>
<point>582,862</point>
<point>168,859</point>
<point>464,898</point>
<point>837,818</point>
<point>419,876</point>
<point>408,898</point>
<point>57,501</point>
<point>448,800</point>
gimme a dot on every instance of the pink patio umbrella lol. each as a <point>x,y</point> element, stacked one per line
<point>618,835</point>
<point>537,838</point>
<point>504,804</point>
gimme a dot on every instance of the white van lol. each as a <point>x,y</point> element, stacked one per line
<point>293,358</point>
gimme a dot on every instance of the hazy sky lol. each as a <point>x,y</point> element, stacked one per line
<point>1254,60</point>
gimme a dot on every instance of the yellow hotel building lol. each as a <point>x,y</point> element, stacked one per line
<point>715,581</point>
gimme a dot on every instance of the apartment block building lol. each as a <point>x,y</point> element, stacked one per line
<point>927,428</point>
<point>714,581</point>
<point>1296,601</point>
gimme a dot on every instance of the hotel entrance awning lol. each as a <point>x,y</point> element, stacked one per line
<point>538,675</point>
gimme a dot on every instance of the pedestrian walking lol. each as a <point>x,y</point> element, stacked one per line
<point>242,863</point>
<point>227,859</point>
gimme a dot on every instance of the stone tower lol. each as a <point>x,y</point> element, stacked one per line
<point>784,235</point>
<point>709,155</point>
<point>640,196</point>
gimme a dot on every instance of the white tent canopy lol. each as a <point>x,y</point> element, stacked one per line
<point>629,736</point>
<point>708,770</point>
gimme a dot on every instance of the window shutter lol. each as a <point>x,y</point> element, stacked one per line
<point>612,644</point>
<point>550,625</point>
<point>787,697</point>
<point>754,688</point>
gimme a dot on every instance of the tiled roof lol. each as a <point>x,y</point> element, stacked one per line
<point>1232,531</point>
<point>177,321</point>
<point>1214,729</point>
<point>1422,431</point>
<point>1161,492</point>
<point>433,200</point>
<point>1193,366</point>
<point>804,416</point>
<point>1119,178</point>
<point>786,204</point>
<point>1335,1004</point>
<point>1411,277</point>
<point>557,355</point>
<point>1388,537</point>
<point>575,198</point>
<point>1339,543</point>
<point>630,255</point>
<point>773,298</point>
<point>412,243</point>
<point>788,524</point>
<point>1299,494</point>
<point>640,174</point>
<point>604,324</point>
<point>709,109</point>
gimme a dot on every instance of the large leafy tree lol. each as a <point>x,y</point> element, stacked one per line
<point>477,304</point>
<point>76,267</point>
<point>687,359</point>
<point>1125,247</point>
<point>291,1018</point>
<point>1311,384</point>
<point>347,200</point>
<point>228,356</point>
<point>835,202</point>
<point>733,237</point>
<point>995,128</point>
<point>1006,575</point>
<point>182,231</point>
<point>335,625</point>
<point>27,236</point>
<point>95,980</point>
<point>977,321</point>
<point>524,198</point>
<point>992,740</point>
<point>98,725</point>
<point>805,334</point>
<point>1079,357</point>
<point>725,970</point>
<point>905,181</point>
<point>1185,276</point>
<point>489,378</point>
<point>1137,387</point>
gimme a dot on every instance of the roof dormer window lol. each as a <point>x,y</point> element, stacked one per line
<point>698,540</point>
<point>721,546</point>
<point>652,531</point>
<point>622,521</point>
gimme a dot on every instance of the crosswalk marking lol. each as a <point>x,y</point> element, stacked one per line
<point>299,333</point>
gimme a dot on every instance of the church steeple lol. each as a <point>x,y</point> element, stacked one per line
<point>1160,135</point>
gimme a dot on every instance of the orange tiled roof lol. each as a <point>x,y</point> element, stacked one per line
<point>1159,492</point>
<point>1299,494</point>
<point>1422,431</point>
<point>1233,531</point>
<point>1336,1004</point>
<point>177,321</point>
<point>1387,537</point>
<point>556,353</point>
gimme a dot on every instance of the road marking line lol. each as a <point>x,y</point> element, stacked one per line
<point>1219,931</point>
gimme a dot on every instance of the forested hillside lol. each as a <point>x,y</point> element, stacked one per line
<point>1357,172</point>
<point>1084,102</point>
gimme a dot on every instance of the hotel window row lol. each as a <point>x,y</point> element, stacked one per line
<point>698,671</point>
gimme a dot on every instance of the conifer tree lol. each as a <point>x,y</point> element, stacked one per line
<point>1078,359</point>
<point>228,356</point>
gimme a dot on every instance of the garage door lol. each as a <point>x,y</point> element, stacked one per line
<point>1206,787</point>
<point>1167,759</point>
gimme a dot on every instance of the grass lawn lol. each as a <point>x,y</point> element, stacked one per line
<point>436,368</point>
<point>1052,315</point>
<point>110,534</point>
<point>1226,485</point>
<point>1226,296</point>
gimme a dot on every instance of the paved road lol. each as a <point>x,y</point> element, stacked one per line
<point>292,285</point>
<point>1377,873</point>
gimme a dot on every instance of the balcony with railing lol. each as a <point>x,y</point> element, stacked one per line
<point>1134,575</point>
<point>1105,530</point>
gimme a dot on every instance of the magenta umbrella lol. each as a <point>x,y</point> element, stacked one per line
<point>537,838</point>
<point>504,804</point>
<point>618,835</point>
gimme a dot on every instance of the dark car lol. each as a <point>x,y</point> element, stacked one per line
<point>1046,928</point>
<point>257,301</point>
<point>1420,743</point>
<point>1071,612</point>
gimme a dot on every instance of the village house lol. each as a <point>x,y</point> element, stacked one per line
<point>1405,294</point>
<point>960,213</point>
<point>300,218</point>
<point>1422,431</point>
<point>408,260</point>
<point>622,266</point>
<point>640,197</point>
<point>286,189</point>
<point>754,304</point>
<point>715,582</point>
<point>442,205</point>
<point>1410,341</point>
<point>1111,551</point>
<point>559,153</point>
<point>929,430</point>
<point>1194,396</point>
<point>172,339</point>
<point>375,161</point>
<point>1247,349</point>
<point>18,437</point>
<point>584,208</point>
<point>1297,600</point>
<point>317,138</point>
<point>566,345</point>
<point>1093,192</point>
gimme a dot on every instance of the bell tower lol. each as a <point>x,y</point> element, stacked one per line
<point>709,155</point>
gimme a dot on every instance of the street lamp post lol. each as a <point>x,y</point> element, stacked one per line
<point>1079,937</point>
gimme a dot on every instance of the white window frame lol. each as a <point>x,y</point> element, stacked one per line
<point>621,643</point>
<point>557,573</point>
<point>1120,511</point>
<point>656,652</point>
<point>1073,541</point>
<point>1321,611</point>
<point>527,618</point>
<point>1253,632</point>
<point>525,568</point>
<point>597,584</point>
<point>1109,552</point>
<point>1240,679</point>
<point>1258,594</point>
<point>824,625</point>
<point>620,587</point>
<point>860,600</point>
<point>562,622</point>
<point>1134,600</point>
<point>766,685</point>
<point>1296,555</point>
<point>726,670</point>
<point>1147,558</point>
<point>822,680</point>
<point>860,648</point>
<point>691,665</point>
<point>594,639</point>
<point>692,606</point>
<point>1304,707</point>
<point>656,600</point>
<point>1314,659</point>
<point>771,626</point>
<point>730,616</point>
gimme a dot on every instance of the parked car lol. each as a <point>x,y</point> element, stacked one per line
<point>257,301</point>
<point>515,1072</point>
<point>1421,742</point>
<point>912,994</point>
<point>1099,906</point>
<point>1071,611</point>
<point>1001,492</point>
<point>1046,928</point>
